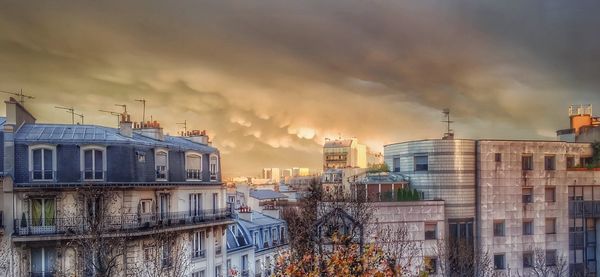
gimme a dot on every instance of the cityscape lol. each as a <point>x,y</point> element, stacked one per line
<point>309,138</point>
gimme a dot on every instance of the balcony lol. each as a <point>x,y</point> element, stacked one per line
<point>193,174</point>
<point>199,254</point>
<point>114,225</point>
<point>93,175</point>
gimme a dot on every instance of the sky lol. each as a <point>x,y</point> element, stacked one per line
<point>271,79</point>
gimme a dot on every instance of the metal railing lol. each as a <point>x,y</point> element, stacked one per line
<point>41,273</point>
<point>118,223</point>
<point>42,175</point>
<point>199,254</point>
<point>193,174</point>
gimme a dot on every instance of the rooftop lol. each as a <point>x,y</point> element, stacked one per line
<point>266,194</point>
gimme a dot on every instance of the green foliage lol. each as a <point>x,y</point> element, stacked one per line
<point>407,194</point>
<point>378,168</point>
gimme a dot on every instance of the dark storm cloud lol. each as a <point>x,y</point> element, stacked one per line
<point>271,79</point>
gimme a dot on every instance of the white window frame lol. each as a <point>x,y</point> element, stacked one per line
<point>193,153</point>
<point>149,203</point>
<point>166,152</point>
<point>198,245</point>
<point>42,146</point>
<point>215,173</point>
<point>82,161</point>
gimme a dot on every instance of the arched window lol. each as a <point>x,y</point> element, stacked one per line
<point>193,166</point>
<point>93,163</point>
<point>161,160</point>
<point>214,167</point>
<point>42,162</point>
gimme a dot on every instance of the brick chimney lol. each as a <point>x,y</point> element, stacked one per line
<point>16,116</point>
<point>150,129</point>
<point>197,136</point>
<point>245,213</point>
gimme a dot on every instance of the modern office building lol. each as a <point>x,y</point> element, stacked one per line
<point>514,199</point>
<point>82,198</point>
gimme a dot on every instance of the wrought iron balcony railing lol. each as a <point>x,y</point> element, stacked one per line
<point>199,254</point>
<point>193,174</point>
<point>116,223</point>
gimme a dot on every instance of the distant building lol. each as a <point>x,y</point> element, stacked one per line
<point>348,153</point>
<point>300,172</point>
<point>274,174</point>
<point>584,126</point>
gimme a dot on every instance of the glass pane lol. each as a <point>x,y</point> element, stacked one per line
<point>37,260</point>
<point>47,159</point>
<point>36,212</point>
<point>50,258</point>
<point>87,160</point>
<point>193,162</point>
<point>37,159</point>
<point>98,164</point>
<point>49,212</point>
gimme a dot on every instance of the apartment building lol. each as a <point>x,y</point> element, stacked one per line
<point>512,199</point>
<point>146,200</point>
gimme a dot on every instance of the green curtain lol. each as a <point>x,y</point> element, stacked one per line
<point>49,212</point>
<point>36,212</point>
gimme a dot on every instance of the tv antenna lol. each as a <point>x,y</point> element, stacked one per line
<point>118,115</point>
<point>123,106</point>
<point>80,116</point>
<point>70,110</point>
<point>449,132</point>
<point>20,95</point>
<point>143,110</point>
<point>184,123</point>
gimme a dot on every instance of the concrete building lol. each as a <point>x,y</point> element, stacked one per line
<point>150,184</point>
<point>343,153</point>
<point>584,126</point>
<point>511,198</point>
<point>273,174</point>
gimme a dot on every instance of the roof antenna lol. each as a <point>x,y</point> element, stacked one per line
<point>20,95</point>
<point>449,132</point>
<point>143,110</point>
<point>69,110</point>
<point>184,123</point>
<point>118,115</point>
<point>80,116</point>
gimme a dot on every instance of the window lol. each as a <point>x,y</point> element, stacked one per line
<point>421,163</point>
<point>275,236</point>
<point>193,166</point>
<point>43,260</point>
<point>396,164</point>
<point>550,162</point>
<point>266,238</point>
<point>141,156</point>
<point>256,239</point>
<point>527,195</point>
<point>198,273</point>
<point>165,257</point>
<point>498,228</point>
<point>282,234</point>
<point>42,163</point>
<point>570,162</point>
<point>498,157</point>
<point>575,193</point>
<point>268,266</point>
<point>43,211</point>
<point>198,250</point>
<point>162,164</point>
<point>214,167</point>
<point>148,253</point>
<point>550,194</point>
<point>499,261</point>
<point>218,272</point>
<point>527,162</point>
<point>550,225</point>
<point>527,227</point>
<point>145,206</point>
<point>218,244</point>
<point>258,267</point>
<point>195,204</point>
<point>527,259</point>
<point>93,163</point>
<point>215,202</point>
<point>430,264</point>
<point>245,262</point>
<point>165,203</point>
<point>430,230</point>
<point>228,265</point>
<point>550,257</point>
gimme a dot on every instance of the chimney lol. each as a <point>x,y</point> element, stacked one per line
<point>125,125</point>
<point>150,129</point>
<point>245,213</point>
<point>197,136</point>
<point>16,116</point>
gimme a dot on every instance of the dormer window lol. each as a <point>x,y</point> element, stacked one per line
<point>93,163</point>
<point>214,167</point>
<point>162,164</point>
<point>42,162</point>
<point>193,166</point>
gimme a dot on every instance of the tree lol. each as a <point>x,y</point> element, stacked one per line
<point>457,257</point>
<point>544,265</point>
<point>401,252</point>
<point>163,255</point>
<point>95,232</point>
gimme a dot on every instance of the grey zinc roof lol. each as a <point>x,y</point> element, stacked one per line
<point>264,194</point>
<point>93,134</point>
<point>259,220</point>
